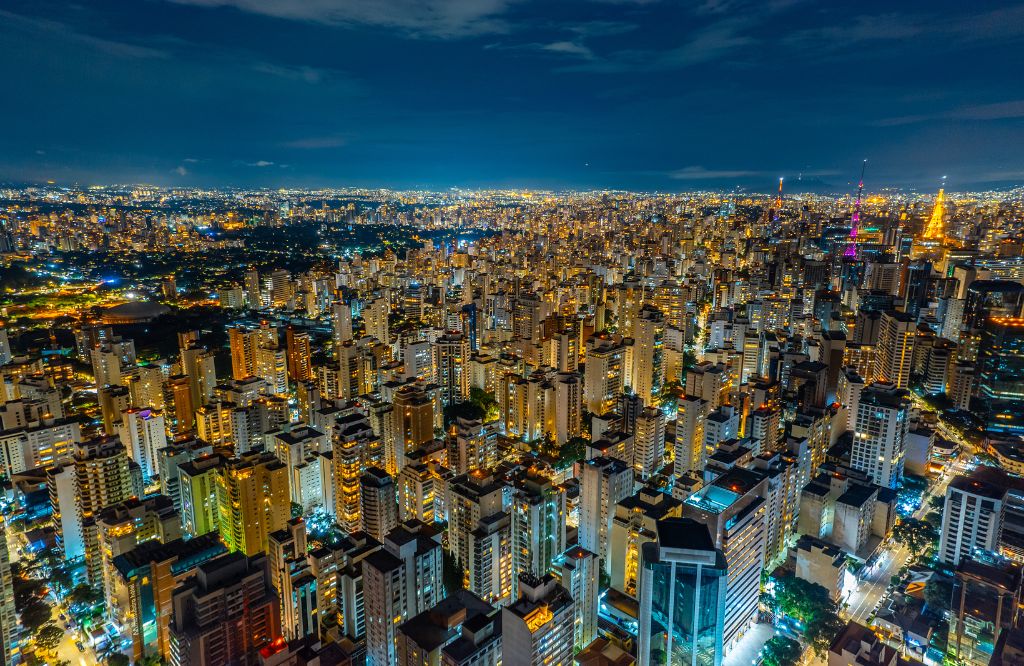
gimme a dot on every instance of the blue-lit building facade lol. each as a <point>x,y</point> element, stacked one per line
<point>682,595</point>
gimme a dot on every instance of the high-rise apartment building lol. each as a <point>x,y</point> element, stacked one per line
<point>225,613</point>
<point>880,433</point>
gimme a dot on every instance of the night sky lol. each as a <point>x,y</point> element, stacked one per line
<point>628,94</point>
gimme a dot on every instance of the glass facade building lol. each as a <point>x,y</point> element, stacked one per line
<point>682,597</point>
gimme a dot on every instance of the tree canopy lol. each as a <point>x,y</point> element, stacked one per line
<point>810,605</point>
<point>781,651</point>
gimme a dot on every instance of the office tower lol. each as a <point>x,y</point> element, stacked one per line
<point>101,477</point>
<point>682,597</point>
<point>9,649</point>
<point>604,483</point>
<point>604,374</point>
<point>143,433</point>
<point>734,507</point>
<point>880,432</point>
<point>646,370</point>
<point>985,604</point>
<point>460,629</point>
<point>451,365</point>
<point>375,320</point>
<point>649,443</point>
<point>527,315</point>
<point>378,502</point>
<point>293,580</point>
<point>579,574</point>
<point>5,347</point>
<point>253,500</point>
<point>538,627</point>
<point>225,613</point>
<point>538,523</point>
<point>895,354</point>
<point>300,362</point>
<point>999,373</point>
<point>400,580</point>
<point>146,578</point>
<point>691,416</point>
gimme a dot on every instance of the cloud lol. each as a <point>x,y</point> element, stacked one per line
<point>311,75</point>
<point>190,160</point>
<point>68,34</point>
<point>700,173</point>
<point>316,142</point>
<point>981,112</point>
<point>181,171</point>
<point>427,18</point>
<point>259,163</point>
<point>570,48</point>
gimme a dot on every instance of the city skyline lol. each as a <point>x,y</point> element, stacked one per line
<point>642,96</point>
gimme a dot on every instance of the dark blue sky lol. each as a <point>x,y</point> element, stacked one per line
<point>632,94</point>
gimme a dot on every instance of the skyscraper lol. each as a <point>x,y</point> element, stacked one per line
<point>604,483</point>
<point>400,580</point>
<point>683,585</point>
<point>578,572</point>
<point>880,431</point>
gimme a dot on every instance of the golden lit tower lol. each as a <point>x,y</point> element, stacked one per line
<point>936,229</point>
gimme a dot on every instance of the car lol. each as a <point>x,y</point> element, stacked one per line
<point>62,618</point>
<point>78,644</point>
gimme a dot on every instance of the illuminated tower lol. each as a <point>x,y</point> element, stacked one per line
<point>778,202</point>
<point>935,230</point>
<point>851,248</point>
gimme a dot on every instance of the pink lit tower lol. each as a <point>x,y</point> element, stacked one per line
<point>851,248</point>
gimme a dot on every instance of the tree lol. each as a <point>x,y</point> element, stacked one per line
<point>810,605</point>
<point>83,594</point>
<point>917,535</point>
<point>35,615</point>
<point>781,651</point>
<point>118,659</point>
<point>938,593</point>
<point>49,637</point>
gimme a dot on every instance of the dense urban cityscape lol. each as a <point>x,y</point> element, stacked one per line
<point>512,333</point>
<point>511,427</point>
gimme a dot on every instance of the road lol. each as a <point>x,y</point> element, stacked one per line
<point>893,556</point>
<point>870,590</point>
